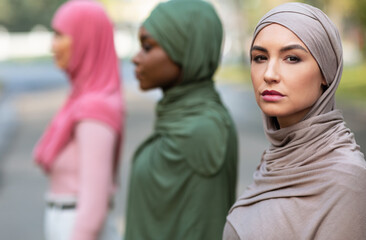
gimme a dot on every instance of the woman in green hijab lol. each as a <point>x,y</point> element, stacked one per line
<point>183,175</point>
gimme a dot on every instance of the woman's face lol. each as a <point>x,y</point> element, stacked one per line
<point>61,48</point>
<point>154,68</point>
<point>286,78</point>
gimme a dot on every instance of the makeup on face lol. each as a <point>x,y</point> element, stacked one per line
<point>286,78</point>
<point>271,95</point>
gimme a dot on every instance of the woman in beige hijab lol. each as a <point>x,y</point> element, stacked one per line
<point>311,182</point>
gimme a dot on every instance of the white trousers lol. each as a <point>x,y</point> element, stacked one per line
<point>59,225</point>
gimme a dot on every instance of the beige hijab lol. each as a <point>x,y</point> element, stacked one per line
<point>311,182</point>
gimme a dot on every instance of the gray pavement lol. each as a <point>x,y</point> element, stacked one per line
<point>22,184</point>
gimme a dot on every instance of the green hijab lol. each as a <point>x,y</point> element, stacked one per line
<point>191,34</point>
<point>183,176</point>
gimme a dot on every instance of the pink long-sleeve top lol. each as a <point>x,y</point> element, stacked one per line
<point>84,169</point>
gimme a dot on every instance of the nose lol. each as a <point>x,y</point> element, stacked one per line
<point>53,45</point>
<point>271,74</point>
<point>137,58</point>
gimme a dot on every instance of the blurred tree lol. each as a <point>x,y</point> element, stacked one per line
<point>23,15</point>
<point>360,10</point>
<point>360,18</point>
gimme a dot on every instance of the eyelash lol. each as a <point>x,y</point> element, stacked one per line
<point>146,47</point>
<point>295,59</point>
<point>259,58</point>
<point>291,59</point>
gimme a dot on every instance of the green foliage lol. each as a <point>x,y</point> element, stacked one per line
<point>360,13</point>
<point>236,73</point>
<point>23,15</point>
<point>360,17</point>
<point>353,83</point>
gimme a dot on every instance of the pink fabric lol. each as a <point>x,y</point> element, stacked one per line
<point>89,178</point>
<point>95,145</point>
<point>93,73</point>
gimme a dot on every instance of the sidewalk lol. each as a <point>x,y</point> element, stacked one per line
<point>22,184</point>
<point>8,122</point>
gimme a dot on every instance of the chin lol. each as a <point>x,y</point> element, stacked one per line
<point>61,66</point>
<point>272,112</point>
<point>144,88</point>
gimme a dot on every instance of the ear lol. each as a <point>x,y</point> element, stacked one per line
<point>324,83</point>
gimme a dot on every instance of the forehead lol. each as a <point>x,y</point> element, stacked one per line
<point>142,31</point>
<point>276,34</point>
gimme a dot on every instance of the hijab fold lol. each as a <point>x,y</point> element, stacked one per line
<point>93,74</point>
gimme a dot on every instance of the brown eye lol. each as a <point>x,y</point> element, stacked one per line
<point>259,58</point>
<point>146,47</point>
<point>293,59</point>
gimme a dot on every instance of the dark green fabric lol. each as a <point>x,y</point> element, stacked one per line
<point>183,177</point>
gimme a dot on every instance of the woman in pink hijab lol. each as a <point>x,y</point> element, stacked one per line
<point>79,151</point>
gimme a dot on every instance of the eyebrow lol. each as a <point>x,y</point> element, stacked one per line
<point>258,48</point>
<point>145,37</point>
<point>284,49</point>
<point>293,46</point>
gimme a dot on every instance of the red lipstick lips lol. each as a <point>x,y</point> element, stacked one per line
<point>271,92</point>
<point>271,96</point>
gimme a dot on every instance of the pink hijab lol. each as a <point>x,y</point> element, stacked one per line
<point>94,76</point>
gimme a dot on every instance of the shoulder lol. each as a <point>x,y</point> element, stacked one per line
<point>206,143</point>
<point>349,174</point>
<point>210,121</point>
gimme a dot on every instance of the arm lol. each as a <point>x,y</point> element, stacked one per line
<point>96,143</point>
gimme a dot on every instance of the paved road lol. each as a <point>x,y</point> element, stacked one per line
<point>22,185</point>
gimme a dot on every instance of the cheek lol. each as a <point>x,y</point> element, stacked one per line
<point>170,70</point>
<point>308,89</point>
<point>65,54</point>
<point>58,48</point>
<point>68,52</point>
<point>62,54</point>
<point>149,63</point>
<point>55,46</point>
<point>257,73</point>
<point>257,80</point>
<point>160,66</point>
<point>314,80</point>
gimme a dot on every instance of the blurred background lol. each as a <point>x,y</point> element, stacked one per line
<point>32,89</point>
